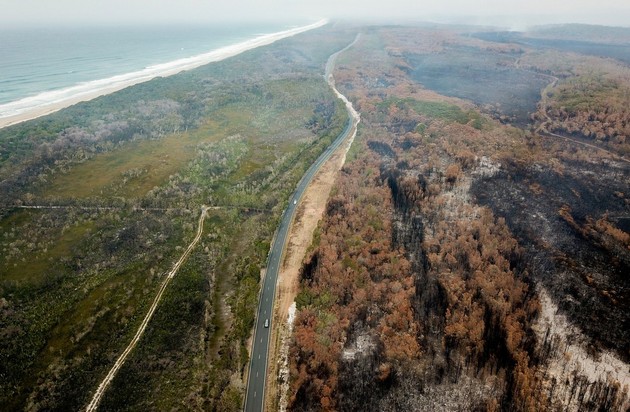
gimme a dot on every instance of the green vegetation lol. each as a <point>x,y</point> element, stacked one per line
<point>588,92</point>
<point>132,171</point>
<point>32,270</point>
<point>436,110</point>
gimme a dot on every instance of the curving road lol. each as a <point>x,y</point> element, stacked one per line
<point>542,128</point>
<point>255,396</point>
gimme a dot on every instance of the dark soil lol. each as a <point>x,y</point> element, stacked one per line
<point>590,282</point>
<point>484,77</point>
<point>613,51</point>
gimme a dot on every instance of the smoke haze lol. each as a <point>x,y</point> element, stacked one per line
<point>506,13</point>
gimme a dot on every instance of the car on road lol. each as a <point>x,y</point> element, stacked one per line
<point>266,323</point>
<point>294,202</point>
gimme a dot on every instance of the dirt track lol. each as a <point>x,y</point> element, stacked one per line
<point>93,405</point>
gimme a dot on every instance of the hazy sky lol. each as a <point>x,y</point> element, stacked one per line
<point>509,13</point>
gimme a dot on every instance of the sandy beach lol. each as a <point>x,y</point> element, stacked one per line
<point>27,109</point>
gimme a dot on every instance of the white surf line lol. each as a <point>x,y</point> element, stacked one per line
<point>48,102</point>
<point>93,405</point>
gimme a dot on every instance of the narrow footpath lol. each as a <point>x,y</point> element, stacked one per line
<point>93,405</point>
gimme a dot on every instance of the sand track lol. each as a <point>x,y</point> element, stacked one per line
<point>102,387</point>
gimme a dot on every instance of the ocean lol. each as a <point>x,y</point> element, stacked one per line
<point>47,65</point>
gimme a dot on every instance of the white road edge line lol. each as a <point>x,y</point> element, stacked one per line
<point>355,119</point>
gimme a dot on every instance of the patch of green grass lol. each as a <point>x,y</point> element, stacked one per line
<point>134,168</point>
<point>588,92</point>
<point>14,220</point>
<point>32,268</point>
<point>356,147</point>
<point>107,174</point>
<point>91,316</point>
<point>158,158</point>
<point>437,110</point>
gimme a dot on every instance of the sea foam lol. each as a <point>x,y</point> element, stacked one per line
<point>49,101</point>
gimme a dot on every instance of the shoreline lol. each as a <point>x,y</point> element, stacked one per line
<point>91,90</point>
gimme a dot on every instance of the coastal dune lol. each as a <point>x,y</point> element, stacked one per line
<point>49,102</point>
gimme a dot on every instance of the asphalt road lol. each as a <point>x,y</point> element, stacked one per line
<point>254,398</point>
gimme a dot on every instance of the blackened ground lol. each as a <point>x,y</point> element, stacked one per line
<point>484,77</point>
<point>590,283</point>
<point>614,51</point>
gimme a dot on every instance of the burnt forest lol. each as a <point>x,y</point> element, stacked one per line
<point>420,217</point>
<point>474,253</point>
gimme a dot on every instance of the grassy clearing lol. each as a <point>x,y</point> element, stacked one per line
<point>136,167</point>
<point>436,110</point>
<point>33,268</point>
<point>93,325</point>
<point>148,163</point>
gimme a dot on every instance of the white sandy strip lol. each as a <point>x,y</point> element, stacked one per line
<point>49,102</point>
<point>356,116</point>
<point>121,360</point>
<point>569,357</point>
<point>286,271</point>
<point>284,373</point>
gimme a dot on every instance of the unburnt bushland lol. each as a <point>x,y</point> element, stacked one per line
<point>131,171</point>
